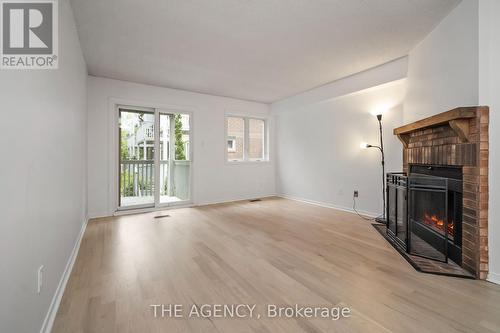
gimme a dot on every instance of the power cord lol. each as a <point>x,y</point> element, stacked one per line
<point>363,217</point>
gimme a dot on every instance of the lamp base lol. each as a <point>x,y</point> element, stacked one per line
<point>381,220</point>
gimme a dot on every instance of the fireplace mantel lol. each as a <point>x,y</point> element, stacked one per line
<point>457,119</point>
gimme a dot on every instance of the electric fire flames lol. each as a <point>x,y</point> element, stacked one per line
<point>437,223</point>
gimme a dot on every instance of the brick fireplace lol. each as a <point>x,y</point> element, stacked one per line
<point>457,138</point>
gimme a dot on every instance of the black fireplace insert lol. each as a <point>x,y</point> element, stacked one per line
<point>424,211</point>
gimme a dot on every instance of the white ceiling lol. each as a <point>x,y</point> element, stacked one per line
<point>261,50</point>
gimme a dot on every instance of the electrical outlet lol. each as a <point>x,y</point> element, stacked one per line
<point>39,279</point>
<point>356,193</point>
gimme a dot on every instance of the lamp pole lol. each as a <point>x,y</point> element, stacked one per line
<point>382,219</point>
<point>364,145</point>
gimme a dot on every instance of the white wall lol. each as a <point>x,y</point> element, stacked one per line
<point>42,178</point>
<point>319,158</point>
<point>443,68</point>
<point>489,83</point>
<point>214,179</point>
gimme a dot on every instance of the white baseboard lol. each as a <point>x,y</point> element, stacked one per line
<point>329,205</point>
<point>493,277</point>
<point>216,202</point>
<point>99,215</point>
<point>56,300</point>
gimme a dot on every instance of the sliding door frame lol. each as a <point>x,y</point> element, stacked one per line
<point>133,109</point>
<point>115,105</point>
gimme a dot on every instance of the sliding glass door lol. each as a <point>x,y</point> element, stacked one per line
<point>136,178</point>
<point>154,165</point>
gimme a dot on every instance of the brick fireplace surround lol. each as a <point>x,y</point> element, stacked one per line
<point>458,137</point>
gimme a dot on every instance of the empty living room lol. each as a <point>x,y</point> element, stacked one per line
<point>250,166</point>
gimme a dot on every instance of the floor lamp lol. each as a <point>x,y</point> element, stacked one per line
<point>364,145</point>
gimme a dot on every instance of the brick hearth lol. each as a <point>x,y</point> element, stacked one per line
<point>458,138</point>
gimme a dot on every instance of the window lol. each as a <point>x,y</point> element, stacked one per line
<point>231,145</point>
<point>246,139</point>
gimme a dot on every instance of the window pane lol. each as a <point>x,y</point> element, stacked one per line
<point>235,136</point>
<point>182,137</point>
<point>256,143</point>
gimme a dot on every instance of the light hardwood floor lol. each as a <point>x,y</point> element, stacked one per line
<point>275,251</point>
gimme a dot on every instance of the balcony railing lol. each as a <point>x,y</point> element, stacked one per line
<point>137,179</point>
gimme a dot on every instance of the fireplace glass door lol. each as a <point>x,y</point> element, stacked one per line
<point>429,226</point>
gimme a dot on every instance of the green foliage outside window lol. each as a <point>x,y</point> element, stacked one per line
<point>180,154</point>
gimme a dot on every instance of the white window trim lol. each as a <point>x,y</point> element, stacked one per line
<point>246,141</point>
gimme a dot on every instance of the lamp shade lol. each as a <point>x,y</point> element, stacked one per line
<point>378,111</point>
